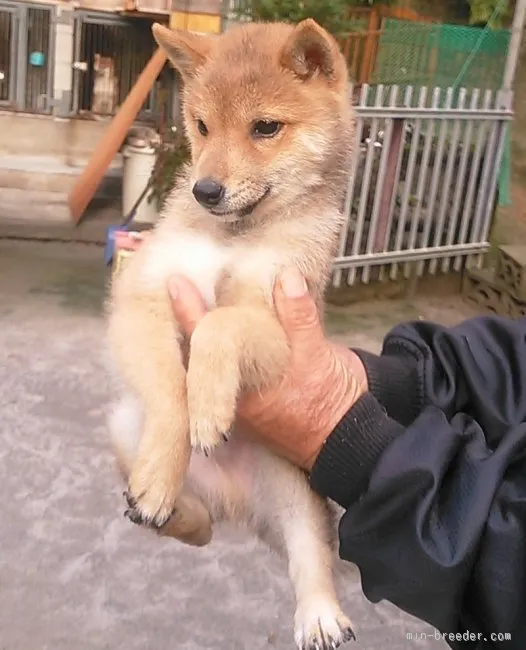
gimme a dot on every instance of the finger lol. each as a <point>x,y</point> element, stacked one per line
<point>125,241</point>
<point>296,309</point>
<point>138,238</point>
<point>187,303</point>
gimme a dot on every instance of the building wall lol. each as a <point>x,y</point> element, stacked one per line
<point>66,140</point>
<point>60,135</point>
<point>62,41</point>
<point>70,141</point>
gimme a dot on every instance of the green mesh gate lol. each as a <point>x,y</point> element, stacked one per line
<point>435,55</point>
<point>417,54</point>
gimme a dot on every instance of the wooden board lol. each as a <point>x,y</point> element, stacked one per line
<point>112,139</point>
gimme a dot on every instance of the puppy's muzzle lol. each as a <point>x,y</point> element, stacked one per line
<point>208,192</point>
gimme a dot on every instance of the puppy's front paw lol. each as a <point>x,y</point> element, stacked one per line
<point>210,419</point>
<point>321,625</point>
<point>207,432</point>
<point>151,495</point>
<point>212,386</point>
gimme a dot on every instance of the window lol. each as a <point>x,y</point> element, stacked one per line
<point>110,54</point>
<point>26,56</point>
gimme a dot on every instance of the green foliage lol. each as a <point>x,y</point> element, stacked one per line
<point>172,154</point>
<point>331,14</point>
<point>481,11</point>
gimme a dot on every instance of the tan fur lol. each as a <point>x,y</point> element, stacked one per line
<point>281,206</point>
<point>105,86</point>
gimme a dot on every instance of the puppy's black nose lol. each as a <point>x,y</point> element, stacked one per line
<point>208,192</point>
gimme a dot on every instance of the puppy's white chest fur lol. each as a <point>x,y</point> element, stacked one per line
<point>202,260</point>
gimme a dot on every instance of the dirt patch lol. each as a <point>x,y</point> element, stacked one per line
<point>365,325</point>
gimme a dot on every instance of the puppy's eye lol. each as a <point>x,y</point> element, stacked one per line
<point>264,129</point>
<point>201,127</point>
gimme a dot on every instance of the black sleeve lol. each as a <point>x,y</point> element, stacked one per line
<point>431,469</point>
<point>477,367</point>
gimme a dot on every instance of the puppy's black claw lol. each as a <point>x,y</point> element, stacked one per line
<point>349,635</point>
<point>225,437</point>
<point>130,499</point>
<point>135,516</point>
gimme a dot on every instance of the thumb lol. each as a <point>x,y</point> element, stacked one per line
<point>297,311</point>
<point>187,304</point>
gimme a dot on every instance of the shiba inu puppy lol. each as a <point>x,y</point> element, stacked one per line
<point>268,117</point>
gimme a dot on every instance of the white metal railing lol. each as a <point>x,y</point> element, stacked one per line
<point>424,181</point>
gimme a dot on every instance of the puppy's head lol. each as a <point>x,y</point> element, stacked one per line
<point>266,110</point>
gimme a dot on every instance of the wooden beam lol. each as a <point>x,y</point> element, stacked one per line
<point>113,137</point>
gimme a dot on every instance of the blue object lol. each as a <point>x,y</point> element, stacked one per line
<point>37,59</point>
<point>109,248</point>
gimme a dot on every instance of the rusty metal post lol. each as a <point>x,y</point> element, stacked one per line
<point>369,50</point>
<point>388,186</point>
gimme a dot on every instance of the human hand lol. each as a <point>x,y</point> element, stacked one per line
<point>130,240</point>
<point>323,381</point>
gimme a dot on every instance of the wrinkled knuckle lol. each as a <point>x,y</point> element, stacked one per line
<point>305,317</point>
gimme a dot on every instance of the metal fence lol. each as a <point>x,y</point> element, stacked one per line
<point>424,181</point>
<point>26,56</point>
<point>110,52</point>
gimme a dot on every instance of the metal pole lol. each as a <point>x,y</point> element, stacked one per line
<point>515,45</point>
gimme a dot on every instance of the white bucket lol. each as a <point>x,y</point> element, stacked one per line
<point>137,169</point>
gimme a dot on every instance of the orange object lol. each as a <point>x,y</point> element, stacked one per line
<point>114,136</point>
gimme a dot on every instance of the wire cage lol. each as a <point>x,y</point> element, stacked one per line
<point>110,54</point>
<point>37,77</point>
<point>26,56</point>
<point>7,55</point>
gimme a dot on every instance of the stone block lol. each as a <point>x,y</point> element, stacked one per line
<point>483,289</point>
<point>511,269</point>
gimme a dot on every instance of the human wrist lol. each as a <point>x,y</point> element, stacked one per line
<point>394,380</point>
<point>346,383</point>
<point>343,467</point>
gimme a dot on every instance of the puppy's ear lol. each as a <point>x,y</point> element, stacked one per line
<point>186,50</point>
<point>310,51</point>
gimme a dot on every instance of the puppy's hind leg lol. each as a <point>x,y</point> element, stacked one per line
<point>303,522</point>
<point>145,347</point>
<point>190,523</point>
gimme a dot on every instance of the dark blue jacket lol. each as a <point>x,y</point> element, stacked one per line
<point>430,466</point>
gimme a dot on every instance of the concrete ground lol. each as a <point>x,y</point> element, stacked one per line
<point>74,574</point>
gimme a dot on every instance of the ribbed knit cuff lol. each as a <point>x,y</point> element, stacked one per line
<point>395,382</point>
<point>347,459</point>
